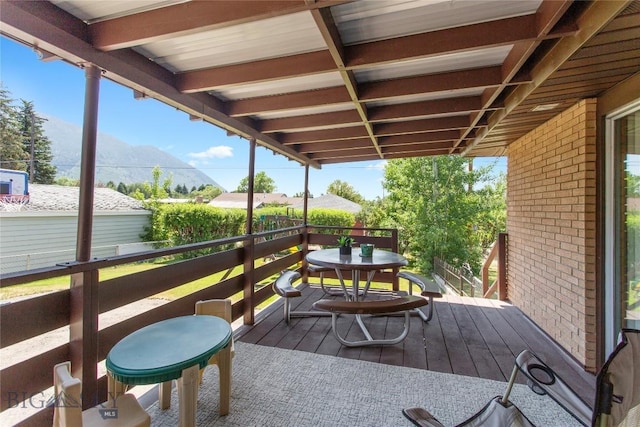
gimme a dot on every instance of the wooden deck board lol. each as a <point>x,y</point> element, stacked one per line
<point>467,336</point>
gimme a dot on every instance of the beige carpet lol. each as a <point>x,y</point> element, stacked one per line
<point>275,387</point>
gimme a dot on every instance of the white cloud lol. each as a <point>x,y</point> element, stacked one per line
<point>193,163</point>
<point>379,165</point>
<point>219,152</point>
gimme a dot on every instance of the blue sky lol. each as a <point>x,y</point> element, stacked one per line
<point>57,89</point>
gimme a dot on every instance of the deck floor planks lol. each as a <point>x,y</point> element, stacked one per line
<point>415,355</point>
<point>500,351</point>
<point>461,362</point>
<point>436,353</point>
<point>547,350</point>
<point>479,351</point>
<point>461,329</point>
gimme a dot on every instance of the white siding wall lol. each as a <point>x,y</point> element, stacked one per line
<point>41,239</point>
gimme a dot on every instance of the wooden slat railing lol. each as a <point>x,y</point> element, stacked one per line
<point>38,315</point>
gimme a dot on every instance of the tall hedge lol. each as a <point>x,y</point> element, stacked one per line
<point>184,223</point>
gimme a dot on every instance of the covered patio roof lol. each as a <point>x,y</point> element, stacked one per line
<point>333,81</point>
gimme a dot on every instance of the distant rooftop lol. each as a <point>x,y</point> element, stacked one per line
<point>330,201</point>
<point>63,198</point>
<point>239,200</point>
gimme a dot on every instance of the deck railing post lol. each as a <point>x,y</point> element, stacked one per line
<point>395,280</point>
<point>502,266</point>
<point>83,334</point>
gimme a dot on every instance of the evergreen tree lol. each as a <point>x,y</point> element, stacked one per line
<point>122,188</point>
<point>12,153</point>
<point>31,128</point>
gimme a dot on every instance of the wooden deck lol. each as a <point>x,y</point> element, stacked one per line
<point>467,336</point>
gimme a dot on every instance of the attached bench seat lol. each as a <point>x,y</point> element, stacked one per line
<point>384,306</point>
<point>428,289</point>
<point>283,286</point>
<point>403,304</point>
<point>317,269</point>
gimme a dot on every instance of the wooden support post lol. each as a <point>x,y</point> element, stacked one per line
<point>249,297</point>
<point>305,235</point>
<point>502,266</point>
<point>83,322</point>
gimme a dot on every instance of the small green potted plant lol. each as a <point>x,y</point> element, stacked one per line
<point>345,243</point>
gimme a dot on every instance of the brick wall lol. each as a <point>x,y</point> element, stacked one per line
<point>551,205</point>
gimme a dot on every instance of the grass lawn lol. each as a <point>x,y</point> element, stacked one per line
<point>58,283</point>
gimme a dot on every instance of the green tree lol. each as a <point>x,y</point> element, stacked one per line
<point>44,172</point>
<point>262,183</point>
<point>430,201</point>
<point>122,188</point>
<point>301,194</point>
<point>159,190</point>
<point>12,153</point>
<point>67,182</point>
<point>344,190</point>
<point>492,218</point>
<point>208,192</point>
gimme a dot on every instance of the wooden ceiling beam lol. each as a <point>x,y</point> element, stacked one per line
<point>349,159</point>
<point>347,144</point>
<point>402,152</point>
<point>336,118</point>
<point>494,33</point>
<point>424,125</point>
<point>289,101</point>
<point>426,108</point>
<point>371,153</point>
<point>291,138</point>
<point>420,138</point>
<point>189,18</point>
<point>255,72</point>
<point>441,82</point>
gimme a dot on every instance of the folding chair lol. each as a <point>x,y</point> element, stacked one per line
<point>617,400</point>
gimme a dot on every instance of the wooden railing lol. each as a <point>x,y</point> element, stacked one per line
<point>499,285</point>
<point>459,279</point>
<point>465,283</point>
<point>88,297</point>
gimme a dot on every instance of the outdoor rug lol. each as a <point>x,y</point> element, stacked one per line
<point>276,387</point>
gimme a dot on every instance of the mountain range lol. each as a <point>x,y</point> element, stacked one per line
<point>116,160</point>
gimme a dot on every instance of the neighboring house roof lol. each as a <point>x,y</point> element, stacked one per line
<point>330,201</point>
<point>63,198</point>
<point>239,200</point>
